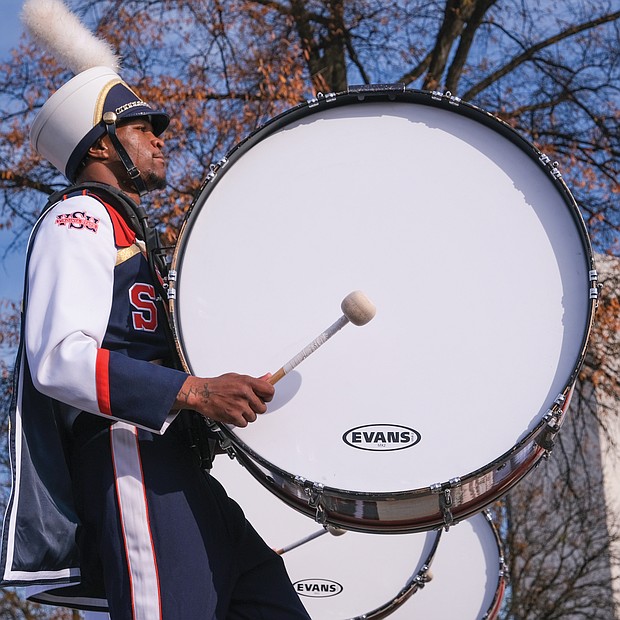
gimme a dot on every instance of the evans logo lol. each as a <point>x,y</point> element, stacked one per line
<point>317,588</point>
<point>381,437</point>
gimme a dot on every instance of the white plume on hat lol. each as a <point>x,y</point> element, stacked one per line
<point>52,25</point>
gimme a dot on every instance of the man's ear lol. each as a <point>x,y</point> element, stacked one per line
<point>99,151</point>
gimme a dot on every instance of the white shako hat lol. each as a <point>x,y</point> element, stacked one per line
<point>72,119</point>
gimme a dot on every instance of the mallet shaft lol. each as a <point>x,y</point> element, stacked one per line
<point>356,308</point>
<point>334,531</point>
<point>309,349</point>
<point>301,541</point>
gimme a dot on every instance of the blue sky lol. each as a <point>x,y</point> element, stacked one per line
<point>11,266</point>
<point>10,26</point>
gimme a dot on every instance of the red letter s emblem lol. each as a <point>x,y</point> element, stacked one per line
<point>142,298</point>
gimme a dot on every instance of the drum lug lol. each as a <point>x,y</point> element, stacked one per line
<point>214,169</point>
<point>547,441</point>
<point>445,499</point>
<point>437,95</point>
<point>320,97</point>
<point>594,289</point>
<point>424,576</point>
<point>314,493</point>
<point>554,418</point>
<point>170,284</point>
<point>552,166</point>
<point>445,505</point>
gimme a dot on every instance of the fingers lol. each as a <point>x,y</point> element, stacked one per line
<point>244,419</point>
<point>264,389</point>
<point>259,394</point>
<point>257,405</point>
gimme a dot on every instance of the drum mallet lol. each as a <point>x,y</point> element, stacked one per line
<point>334,531</point>
<point>356,308</point>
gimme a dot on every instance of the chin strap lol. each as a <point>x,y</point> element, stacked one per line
<point>109,118</point>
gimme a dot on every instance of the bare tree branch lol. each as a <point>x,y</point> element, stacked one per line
<point>529,53</point>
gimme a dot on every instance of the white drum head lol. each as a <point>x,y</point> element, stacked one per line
<point>336,576</point>
<point>468,577</point>
<point>475,260</point>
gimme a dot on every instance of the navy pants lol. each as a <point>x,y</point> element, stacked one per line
<point>160,538</point>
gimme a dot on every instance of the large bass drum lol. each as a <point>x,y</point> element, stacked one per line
<point>473,250</point>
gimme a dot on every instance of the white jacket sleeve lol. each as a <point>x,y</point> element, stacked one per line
<point>69,294</point>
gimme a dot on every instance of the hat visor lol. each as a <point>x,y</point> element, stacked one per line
<point>159,120</point>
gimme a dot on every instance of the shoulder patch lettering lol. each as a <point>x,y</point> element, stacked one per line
<point>79,220</point>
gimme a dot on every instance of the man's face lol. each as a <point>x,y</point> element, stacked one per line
<point>145,150</point>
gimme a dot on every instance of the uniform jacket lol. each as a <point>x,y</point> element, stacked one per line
<point>91,320</point>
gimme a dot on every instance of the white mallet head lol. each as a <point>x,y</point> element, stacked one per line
<point>358,308</point>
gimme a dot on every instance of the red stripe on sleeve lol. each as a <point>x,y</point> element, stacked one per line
<point>102,379</point>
